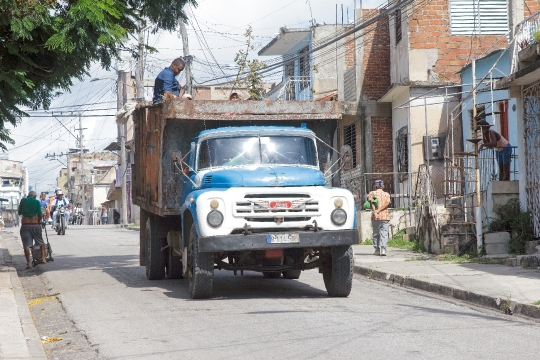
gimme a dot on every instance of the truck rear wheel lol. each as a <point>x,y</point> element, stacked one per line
<point>338,271</point>
<point>272,274</point>
<point>294,257</point>
<point>200,268</point>
<point>155,257</point>
<point>174,265</point>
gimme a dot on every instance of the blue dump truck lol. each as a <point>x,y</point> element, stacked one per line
<point>241,186</point>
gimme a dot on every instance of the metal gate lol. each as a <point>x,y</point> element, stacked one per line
<point>531,114</point>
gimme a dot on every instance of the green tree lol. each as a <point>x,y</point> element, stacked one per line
<point>45,44</point>
<point>248,70</point>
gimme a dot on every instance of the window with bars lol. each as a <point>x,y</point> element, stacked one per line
<point>478,17</point>
<point>304,68</point>
<point>402,151</point>
<point>397,24</point>
<point>349,138</point>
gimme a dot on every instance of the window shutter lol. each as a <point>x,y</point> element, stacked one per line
<point>480,17</point>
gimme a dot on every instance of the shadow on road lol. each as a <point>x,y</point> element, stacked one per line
<point>125,269</point>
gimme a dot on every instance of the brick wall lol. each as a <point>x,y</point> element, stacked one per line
<point>381,131</point>
<point>349,84</point>
<point>376,56</point>
<point>350,53</point>
<point>429,28</point>
<point>530,7</point>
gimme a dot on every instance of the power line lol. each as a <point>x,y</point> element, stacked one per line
<point>355,29</point>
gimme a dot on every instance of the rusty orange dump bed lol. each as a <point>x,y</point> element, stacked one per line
<point>167,129</point>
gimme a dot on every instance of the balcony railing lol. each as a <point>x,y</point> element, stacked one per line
<point>524,37</point>
<point>490,170</point>
<point>292,88</point>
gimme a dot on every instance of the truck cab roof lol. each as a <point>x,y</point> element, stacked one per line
<point>255,129</point>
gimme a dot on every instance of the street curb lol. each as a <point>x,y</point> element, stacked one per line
<point>505,305</point>
<point>33,340</point>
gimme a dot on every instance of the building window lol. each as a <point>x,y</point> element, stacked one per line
<point>402,151</point>
<point>480,115</point>
<point>503,118</point>
<point>349,138</point>
<point>397,24</point>
<point>304,68</point>
<point>478,17</point>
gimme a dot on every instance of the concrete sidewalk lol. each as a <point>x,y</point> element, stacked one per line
<point>512,290</point>
<point>18,334</point>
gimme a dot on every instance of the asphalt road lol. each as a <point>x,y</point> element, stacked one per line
<point>108,309</point>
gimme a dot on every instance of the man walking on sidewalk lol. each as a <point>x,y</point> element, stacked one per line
<point>30,209</point>
<point>380,200</point>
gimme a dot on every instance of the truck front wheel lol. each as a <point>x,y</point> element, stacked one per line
<point>200,268</point>
<point>155,257</point>
<point>338,271</point>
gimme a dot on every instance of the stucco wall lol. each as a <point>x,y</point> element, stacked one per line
<point>326,70</point>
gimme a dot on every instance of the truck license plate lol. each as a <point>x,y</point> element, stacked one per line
<point>283,238</point>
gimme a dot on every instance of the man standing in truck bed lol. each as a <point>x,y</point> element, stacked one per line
<point>166,80</point>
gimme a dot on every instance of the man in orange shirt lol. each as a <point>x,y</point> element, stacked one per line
<point>379,217</point>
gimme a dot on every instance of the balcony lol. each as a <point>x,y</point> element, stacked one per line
<point>292,88</point>
<point>526,48</point>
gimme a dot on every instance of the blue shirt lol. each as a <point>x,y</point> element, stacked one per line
<point>165,81</point>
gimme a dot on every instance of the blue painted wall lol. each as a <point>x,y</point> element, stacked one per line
<point>483,66</point>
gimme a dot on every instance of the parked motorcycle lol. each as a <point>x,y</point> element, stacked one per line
<point>61,221</point>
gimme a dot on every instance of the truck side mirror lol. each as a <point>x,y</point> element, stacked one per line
<point>176,161</point>
<point>346,157</point>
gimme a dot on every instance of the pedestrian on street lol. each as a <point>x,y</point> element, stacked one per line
<point>116,216</point>
<point>104,214</point>
<point>30,209</point>
<point>166,82</point>
<point>380,201</point>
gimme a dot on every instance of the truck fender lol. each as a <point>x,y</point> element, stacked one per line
<point>189,216</point>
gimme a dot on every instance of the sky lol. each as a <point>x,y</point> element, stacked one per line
<point>214,24</point>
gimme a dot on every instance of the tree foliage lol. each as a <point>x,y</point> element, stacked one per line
<point>45,44</point>
<point>249,70</point>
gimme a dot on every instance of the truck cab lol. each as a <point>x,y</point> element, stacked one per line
<point>254,198</point>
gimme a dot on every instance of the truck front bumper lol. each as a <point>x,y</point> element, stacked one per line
<point>260,242</point>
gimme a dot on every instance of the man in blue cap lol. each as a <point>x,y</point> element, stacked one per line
<point>380,201</point>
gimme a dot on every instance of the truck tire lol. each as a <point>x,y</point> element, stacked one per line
<point>272,274</point>
<point>174,265</point>
<point>200,268</point>
<point>294,257</point>
<point>338,271</point>
<point>155,257</point>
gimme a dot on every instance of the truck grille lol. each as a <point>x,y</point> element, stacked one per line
<point>291,206</point>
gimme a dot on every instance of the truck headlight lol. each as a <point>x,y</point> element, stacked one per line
<point>338,216</point>
<point>214,218</point>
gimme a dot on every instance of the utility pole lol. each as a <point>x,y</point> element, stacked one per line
<point>139,72</point>
<point>121,100</point>
<point>478,208</point>
<point>187,58</point>
<point>81,154</point>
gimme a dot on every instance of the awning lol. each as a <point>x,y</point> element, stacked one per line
<point>115,192</point>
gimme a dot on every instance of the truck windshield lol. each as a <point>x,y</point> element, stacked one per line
<point>252,150</point>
